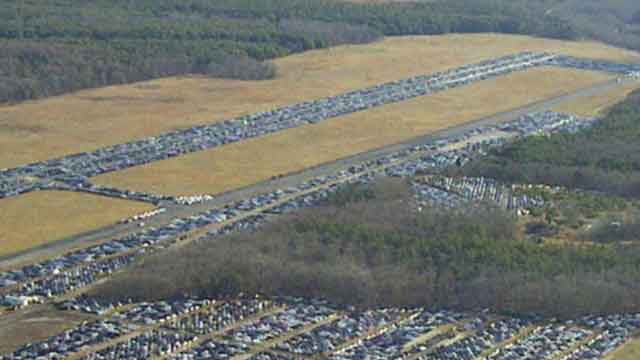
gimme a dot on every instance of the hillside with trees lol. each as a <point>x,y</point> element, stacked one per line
<point>615,22</point>
<point>610,164</point>
<point>53,47</point>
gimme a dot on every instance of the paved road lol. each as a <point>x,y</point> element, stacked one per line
<point>118,230</point>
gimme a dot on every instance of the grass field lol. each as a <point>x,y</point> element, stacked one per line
<point>89,119</point>
<point>35,324</point>
<point>57,215</point>
<point>244,163</point>
<point>598,104</point>
<point>630,351</point>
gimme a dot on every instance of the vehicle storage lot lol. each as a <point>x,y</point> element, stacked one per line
<point>74,169</point>
<point>250,161</point>
<point>36,324</point>
<point>139,331</point>
<point>95,118</point>
<point>307,329</point>
<point>349,134</point>
<point>36,218</point>
<point>81,269</point>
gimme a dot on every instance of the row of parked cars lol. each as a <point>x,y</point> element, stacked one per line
<point>396,341</point>
<point>72,341</point>
<point>331,337</point>
<point>84,186</point>
<point>79,268</point>
<point>544,342</point>
<point>75,169</point>
<point>487,336</point>
<point>153,343</point>
<point>548,122</point>
<point>297,316</point>
<point>14,185</point>
<point>611,332</point>
<point>428,196</point>
<point>179,329</point>
<point>125,319</point>
<point>289,328</point>
<point>595,65</point>
<point>481,189</point>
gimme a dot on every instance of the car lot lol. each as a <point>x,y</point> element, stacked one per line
<point>481,336</point>
<point>398,340</point>
<point>486,190</point>
<point>81,268</point>
<point>74,182</point>
<point>330,337</point>
<point>295,328</point>
<point>174,327</point>
<point>74,170</point>
<point>484,337</point>
<point>544,342</point>
<point>145,346</point>
<point>596,65</point>
<point>72,341</point>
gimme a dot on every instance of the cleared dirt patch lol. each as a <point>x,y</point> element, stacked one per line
<point>94,118</point>
<point>35,324</point>
<point>57,215</point>
<point>597,105</point>
<point>245,163</point>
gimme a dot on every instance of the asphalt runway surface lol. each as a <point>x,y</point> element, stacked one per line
<point>107,233</point>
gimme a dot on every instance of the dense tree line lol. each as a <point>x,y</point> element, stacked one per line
<point>53,47</point>
<point>615,229</point>
<point>614,21</point>
<point>604,158</point>
<point>374,250</point>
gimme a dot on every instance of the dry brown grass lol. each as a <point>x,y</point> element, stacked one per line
<point>90,119</point>
<point>57,215</point>
<point>598,104</point>
<point>630,351</point>
<point>244,163</point>
<point>35,324</point>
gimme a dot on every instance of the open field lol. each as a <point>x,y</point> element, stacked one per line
<point>35,324</point>
<point>247,162</point>
<point>57,215</point>
<point>597,104</point>
<point>95,118</point>
<point>630,351</point>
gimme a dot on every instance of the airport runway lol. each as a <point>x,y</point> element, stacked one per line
<point>177,211</point>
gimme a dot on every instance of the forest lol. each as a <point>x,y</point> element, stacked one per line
<point>615,22</point>
<point>610,164</point>
<point>374,249</point>
<point>53,47</point>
